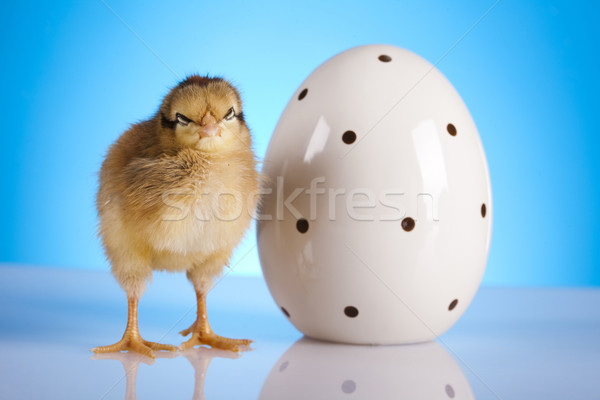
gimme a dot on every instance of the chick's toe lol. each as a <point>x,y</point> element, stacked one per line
<point>216,342</point>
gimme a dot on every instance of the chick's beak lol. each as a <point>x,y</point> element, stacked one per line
<point>209,131</point>
<point>209,127</point>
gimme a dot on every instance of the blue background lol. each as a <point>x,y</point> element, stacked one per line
<point>76,74</point>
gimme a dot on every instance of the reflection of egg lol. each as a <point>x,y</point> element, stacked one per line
<point>378,225</point>
<point>316,370</point>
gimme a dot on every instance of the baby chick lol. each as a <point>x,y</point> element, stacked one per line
<point>177,193</point>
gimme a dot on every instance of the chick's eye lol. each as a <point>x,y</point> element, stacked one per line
<point>230,114</point>
<point>182,119</point>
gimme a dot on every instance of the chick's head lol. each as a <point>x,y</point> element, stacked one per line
<point>204,114</point>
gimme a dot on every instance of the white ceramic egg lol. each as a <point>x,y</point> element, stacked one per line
<point>317,370</point>
<point>377,226</point>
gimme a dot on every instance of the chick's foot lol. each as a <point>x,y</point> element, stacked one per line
<point>133,342</point>
<point>213,340</point>
<point>202,333</point>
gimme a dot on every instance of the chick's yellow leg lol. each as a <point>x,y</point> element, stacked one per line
<point>131,340</point>
<point>202,333</point>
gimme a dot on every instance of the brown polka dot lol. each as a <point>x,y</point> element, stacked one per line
<point>349,137</point>
<point>451,129</point>
<point>303,94</point>
<point>351,311</point>
<point>385,58</point>
<point>452,304</point>
<point>483,210</point>
<point>408,224</point>
<point>287,314</point>
<point>302,225</point>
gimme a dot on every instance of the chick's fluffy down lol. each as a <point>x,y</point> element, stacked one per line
<point>173,206</point>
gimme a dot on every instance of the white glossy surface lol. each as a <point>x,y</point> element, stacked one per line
<point>403,164</point>
<point>510,344</point>
<point>424,371</point>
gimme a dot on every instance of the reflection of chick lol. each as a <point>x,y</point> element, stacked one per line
<point>131,362</point>
<point>200,360</point>
<point>177,193</point>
